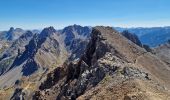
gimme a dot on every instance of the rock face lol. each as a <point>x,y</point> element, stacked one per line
<point>8,37</point>
<point>41,52</point>
<point>134,38</point>
<point>111,68</point>
<point>16,48</point>
<point>74,32</point>
<point>76,38</point>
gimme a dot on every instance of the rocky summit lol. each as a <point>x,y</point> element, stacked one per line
<point>83,63</point>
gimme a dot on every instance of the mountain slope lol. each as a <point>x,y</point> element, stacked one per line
<point>17,47</point>
<point>43,53</point>
<point>163,52</point>
<point>112,67</point>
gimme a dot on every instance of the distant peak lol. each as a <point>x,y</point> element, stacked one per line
<point>47,31</point>
<point>11,29</point>
<point>74,26</point>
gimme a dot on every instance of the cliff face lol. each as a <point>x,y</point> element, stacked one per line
<point>111,68</point>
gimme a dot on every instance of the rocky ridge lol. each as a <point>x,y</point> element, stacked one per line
<point>111,68</point>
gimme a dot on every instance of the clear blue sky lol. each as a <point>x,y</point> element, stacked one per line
<point>35,14</point>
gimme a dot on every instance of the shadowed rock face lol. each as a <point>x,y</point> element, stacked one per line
<point>75,32</point>
<point>10,34</point>
<point>20,43</point>
<point>16,49</point>
<point>31,50</point>
<point>76,39</point>
<point>16,95</point>
<point>134,38</point>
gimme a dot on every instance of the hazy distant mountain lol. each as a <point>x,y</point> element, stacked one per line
<point>150,36</point>
<point>12,34</point>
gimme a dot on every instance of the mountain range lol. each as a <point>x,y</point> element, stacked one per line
<point>152,37</point>
<point>80,62</point>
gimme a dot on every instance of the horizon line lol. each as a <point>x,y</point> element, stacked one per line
<point>62,27</point>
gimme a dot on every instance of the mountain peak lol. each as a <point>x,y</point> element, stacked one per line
<point>13,33</point>
<point>47,31</point>
<point>50,29</point>
<point>11,29</point>
<point>10,34</point>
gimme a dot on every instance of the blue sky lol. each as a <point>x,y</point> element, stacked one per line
<point>37,14</point>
